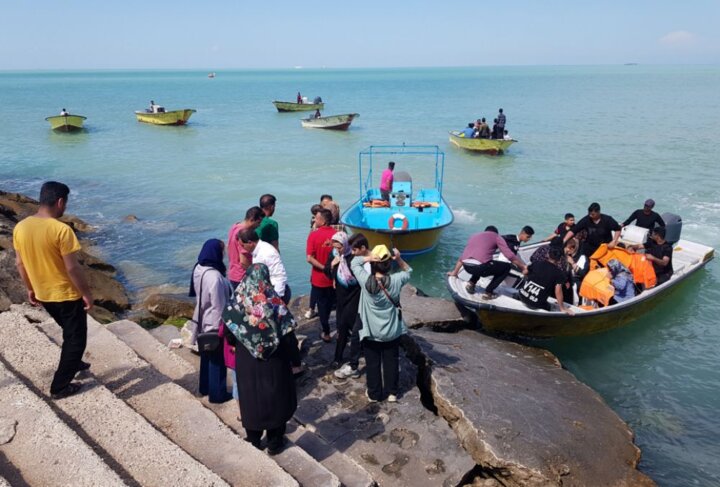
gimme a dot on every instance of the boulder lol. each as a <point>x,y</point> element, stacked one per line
<point>420,310</point>
<point>524,419</point>
<point>167,306</point>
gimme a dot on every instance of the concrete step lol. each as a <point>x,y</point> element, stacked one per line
<point>175,411</point>
<point>38,448</point>
<point>181,366</point>
<point>118,433</point>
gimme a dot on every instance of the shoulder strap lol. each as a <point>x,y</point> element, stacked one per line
<point>382,286</point>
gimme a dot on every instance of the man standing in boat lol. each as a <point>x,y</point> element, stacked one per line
<point>601,229</point>
<point>386,181</point>
<point>477,260</point>
<point>645,217</point>
<point>299,98</point>
<point>500,124</point>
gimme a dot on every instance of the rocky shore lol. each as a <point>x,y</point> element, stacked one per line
<point>473,411</point>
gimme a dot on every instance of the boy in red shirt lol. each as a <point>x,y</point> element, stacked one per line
<point>319,247</point>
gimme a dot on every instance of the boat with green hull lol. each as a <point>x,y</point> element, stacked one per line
<point>66,123</point>
<point>289,106</point>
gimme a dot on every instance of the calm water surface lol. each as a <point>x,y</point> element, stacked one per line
<point>613,134</point>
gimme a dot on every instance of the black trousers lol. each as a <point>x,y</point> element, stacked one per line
<point>288,295</point>
<point>499,271</point>
<point>355,346</point>
<point>274,437</point>
<point>385,356</point>
<point>71,317</point>
<point>325,298</point>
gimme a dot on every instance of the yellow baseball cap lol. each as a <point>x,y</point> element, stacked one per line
<point>381,252</point>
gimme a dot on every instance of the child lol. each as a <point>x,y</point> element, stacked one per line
<point>563,228</point>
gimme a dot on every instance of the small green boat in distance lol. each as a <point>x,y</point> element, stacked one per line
<point>66,123</point>
<point>486,146</point>
<point>289,106</point>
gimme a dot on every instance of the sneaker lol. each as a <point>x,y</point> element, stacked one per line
<point>68,390</point>
<point>335,365</point>
<point>83,366</point>
<point>392,398</point>
<point>345,372</point>
<point>470,288</point>
<point>370,399</point>
<point>488,296</point>
<point>311,313</point>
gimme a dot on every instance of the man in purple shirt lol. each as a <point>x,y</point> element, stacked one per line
<point>386,181</point>
<point>481,247</point>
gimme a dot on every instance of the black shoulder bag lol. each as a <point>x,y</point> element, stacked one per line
<point>208,341</point>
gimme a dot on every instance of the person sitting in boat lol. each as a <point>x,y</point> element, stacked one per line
<point>514,241</point>
<point>386,181</point>
<point>496,132</point>
<point>659,252</point>
<point>622,280</point>
<point>64,113</point>
<point>506,135</point>
<point>600,229</point>
<point>571,268</point>
<point>563,228</point>
<point>317,114</point>
<point>299,98</point>
<point>542,280</point>
<point>477,260</point>
<point>484,130</point>
<point>645,217</point>
<point>317,100</point>
<point>469,132</point>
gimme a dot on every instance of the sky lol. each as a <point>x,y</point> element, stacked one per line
<point>238,34</point>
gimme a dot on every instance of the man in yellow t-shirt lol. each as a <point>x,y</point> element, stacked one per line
<point>46,258</point>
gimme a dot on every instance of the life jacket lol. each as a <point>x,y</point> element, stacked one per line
<point>596,286</point>
<point>377,204</point>
<point>643,271</point>
<point>603,255</point>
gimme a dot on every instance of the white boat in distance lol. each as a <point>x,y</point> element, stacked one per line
<point>333,122</point>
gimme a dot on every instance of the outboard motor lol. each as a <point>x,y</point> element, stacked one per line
<point>673,227</point>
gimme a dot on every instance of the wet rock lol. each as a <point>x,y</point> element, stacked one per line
<point>108,293</point>
<point>524,420</point>
<point>130,219</point>
<point>166,306</point>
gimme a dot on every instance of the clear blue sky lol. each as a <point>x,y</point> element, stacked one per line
<point>82,34</point>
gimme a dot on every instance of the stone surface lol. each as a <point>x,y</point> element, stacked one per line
<point>107,291</point>
<point>166,306</point>
<point>43,450</point>
<point>524,419</point>
<point>165,333</point>
<point>419,310</point>
<point>134,446</point>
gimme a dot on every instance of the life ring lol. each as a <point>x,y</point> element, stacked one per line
<point>398,216</point>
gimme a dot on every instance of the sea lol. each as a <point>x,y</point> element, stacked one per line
<point>612,134</point>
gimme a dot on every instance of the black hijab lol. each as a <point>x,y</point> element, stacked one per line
<point>211,255</point>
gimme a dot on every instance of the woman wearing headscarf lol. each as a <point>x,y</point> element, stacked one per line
<point>212,289</point>
<point>347,292</point>
<point>622,280</point>
<point>266,346</point>
<point>382,319</point>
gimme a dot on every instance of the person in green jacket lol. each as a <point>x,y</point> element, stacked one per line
<point>381,315</point>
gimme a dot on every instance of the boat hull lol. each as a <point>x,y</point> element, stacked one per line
<point>409,243</point>
<point>332,122</point>
<point>175,117</point>
<point>288,106</point>
<point>486,146</point>
<point>66,123</point>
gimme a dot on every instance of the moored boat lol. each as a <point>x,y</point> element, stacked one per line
<point>331,122</point>
<point>289,106</point>
<point>162,117</point>
<point>414,218</point>
<point>66,123</point>
<point>488,146</point>
<point>507,314</point>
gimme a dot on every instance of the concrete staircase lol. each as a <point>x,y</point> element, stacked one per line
<point>137,420</point>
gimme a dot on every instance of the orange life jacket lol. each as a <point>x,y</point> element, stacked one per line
<point>643,271</point>
<point>597,286</point>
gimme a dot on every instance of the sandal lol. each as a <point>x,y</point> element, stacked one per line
<point>326,337</point>
<point>470,288</point>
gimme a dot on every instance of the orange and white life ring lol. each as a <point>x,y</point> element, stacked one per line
<point>395,217</point>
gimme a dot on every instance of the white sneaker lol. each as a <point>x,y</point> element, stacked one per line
<point>345,372</point>
<point>369,398</point>
<point>310,314</point>
<point>392,398</point>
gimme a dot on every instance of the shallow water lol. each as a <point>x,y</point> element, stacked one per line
<point>613,134</point>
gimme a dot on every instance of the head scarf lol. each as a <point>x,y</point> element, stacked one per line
<point>211,255</point>
<point>622,281</point>
<point>256,315</point>
<point>344,274</point>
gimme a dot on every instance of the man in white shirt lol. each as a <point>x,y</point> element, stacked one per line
<point>265,253</point>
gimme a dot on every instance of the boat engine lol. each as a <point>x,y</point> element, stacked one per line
<point>673,227</point>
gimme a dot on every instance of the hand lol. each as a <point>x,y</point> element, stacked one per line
<point>88,300</point>
<point>31,298</point>
<point>569,312</point>
<point>630,249</point>
<point>335,261</point>
<point>611,245</point>
<point>452,273</point>
<point>525,271</point>
<point>396,254</point>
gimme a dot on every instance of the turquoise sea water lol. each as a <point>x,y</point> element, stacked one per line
<point>613,134</point>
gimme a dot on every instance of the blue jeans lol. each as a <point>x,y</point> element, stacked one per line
<point>213,376</point>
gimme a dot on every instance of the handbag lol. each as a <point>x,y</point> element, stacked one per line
<point>210,340</point>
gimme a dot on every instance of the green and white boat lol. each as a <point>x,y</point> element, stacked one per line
<point>66,123</point>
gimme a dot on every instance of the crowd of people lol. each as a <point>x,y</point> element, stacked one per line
<point>556,270</point>
<point>481,130</point>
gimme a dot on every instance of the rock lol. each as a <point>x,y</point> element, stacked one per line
<point>524,419</point>
<point>420,310</point>
<point>107,291</point>
<point>165,333</point>
<point>102,315</point>
<point>130,219</point>
<point>8,427</point>
<point>170,305</point>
